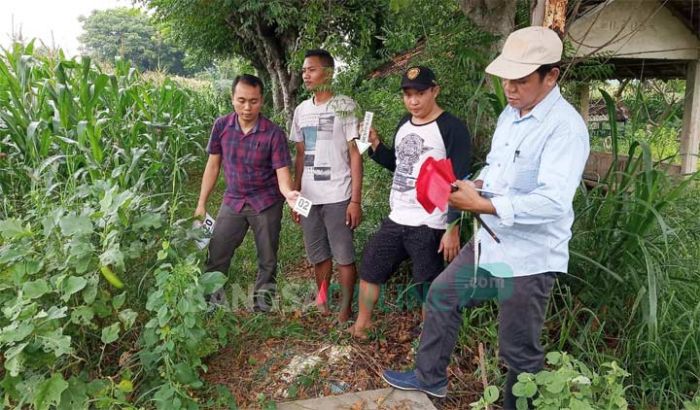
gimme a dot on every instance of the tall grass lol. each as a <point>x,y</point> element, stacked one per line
<point>635,277</point>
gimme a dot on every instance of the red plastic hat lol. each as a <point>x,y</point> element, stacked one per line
<point>433,185</point>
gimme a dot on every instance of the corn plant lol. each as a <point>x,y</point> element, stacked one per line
<point>71,119</point>
<point>93,163</point>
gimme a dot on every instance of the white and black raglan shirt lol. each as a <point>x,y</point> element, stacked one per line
<point>445,137</point>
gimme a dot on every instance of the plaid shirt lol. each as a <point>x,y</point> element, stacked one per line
<point>250,161</point>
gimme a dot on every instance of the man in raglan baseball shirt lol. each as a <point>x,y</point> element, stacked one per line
<point>410,231</point>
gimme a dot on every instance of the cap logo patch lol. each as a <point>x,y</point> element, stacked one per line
<point>413,73</point>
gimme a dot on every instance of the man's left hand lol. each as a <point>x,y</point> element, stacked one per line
<point>466,197</point>
<point>449,244</point>
<point>353,215</point>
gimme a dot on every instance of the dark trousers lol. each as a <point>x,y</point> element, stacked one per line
<point>393,243</point>
<point>230,230</point>
<point>522,306</point>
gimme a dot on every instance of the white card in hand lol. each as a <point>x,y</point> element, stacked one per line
<point>303,206</point>
<point>363,143</point>
<point>208,226</point>
<point>366,126</point>
<point>362,146</point>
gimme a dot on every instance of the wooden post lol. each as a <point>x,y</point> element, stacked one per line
<point>555,16</point>
<point>549,13</point>
<point>584,100</point>
<point>690,137</point>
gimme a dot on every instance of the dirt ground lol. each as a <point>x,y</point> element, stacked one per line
<point>256,365</point>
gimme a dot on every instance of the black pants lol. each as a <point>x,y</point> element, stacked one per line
<point>230,230</point>
<point>522,306</point>
<point>393,243</point>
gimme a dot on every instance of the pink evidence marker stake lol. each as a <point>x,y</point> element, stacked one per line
<point>322,296</point>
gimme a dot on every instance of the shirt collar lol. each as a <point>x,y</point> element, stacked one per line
<point>542,108</point>
<point>260,125</point>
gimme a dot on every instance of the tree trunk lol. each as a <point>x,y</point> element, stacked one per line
<point>284,85</point>
<point>494,16</point>
<point>550,13</point>
<point>555,16</point>
<point>269,57</point>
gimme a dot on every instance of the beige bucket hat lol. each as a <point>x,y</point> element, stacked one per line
<point>524,51</point>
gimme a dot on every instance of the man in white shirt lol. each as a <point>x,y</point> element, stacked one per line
<point>525,195</point>
<point>328,173</point>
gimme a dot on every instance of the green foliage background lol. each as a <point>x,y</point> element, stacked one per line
<point>130,33</point>
<point>100,283</point>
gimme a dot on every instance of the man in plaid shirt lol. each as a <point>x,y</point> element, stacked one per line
<point>256,160</point>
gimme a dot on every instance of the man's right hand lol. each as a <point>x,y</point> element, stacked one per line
<point>479,184</point>
<point>295,216</point>
<point>201,211</point>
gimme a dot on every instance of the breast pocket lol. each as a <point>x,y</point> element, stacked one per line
<point>525,179</point>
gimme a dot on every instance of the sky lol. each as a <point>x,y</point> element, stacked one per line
<point>42,18</point>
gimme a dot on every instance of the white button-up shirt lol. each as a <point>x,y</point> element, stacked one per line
<point>534,168</point>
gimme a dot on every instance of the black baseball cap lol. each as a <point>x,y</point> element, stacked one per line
<point>419,78</point>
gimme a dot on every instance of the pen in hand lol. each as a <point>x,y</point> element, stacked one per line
<point>454,188</point>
